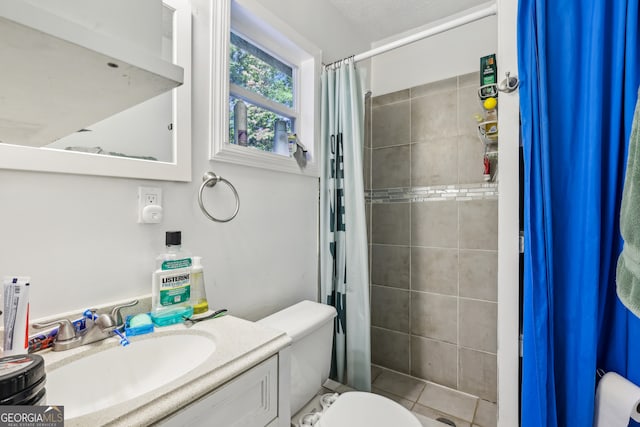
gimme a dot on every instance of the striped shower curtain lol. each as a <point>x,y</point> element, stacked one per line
<point>343,240</point>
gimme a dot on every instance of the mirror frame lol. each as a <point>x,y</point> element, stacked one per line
<point>43,159</point>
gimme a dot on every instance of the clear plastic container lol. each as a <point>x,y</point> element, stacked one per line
<point>198,293</point>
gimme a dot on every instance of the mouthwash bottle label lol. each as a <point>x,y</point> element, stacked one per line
<point>175,287</point>
<point>172,264</point>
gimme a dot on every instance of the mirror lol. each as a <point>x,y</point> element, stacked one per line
<point>151,140</point>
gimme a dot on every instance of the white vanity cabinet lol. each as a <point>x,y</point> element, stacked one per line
<point>243,378</point>
<point>252,399</point>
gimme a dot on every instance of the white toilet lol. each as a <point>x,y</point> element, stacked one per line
<point>310,326</point>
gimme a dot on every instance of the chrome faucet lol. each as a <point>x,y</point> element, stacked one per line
<point>98,328</point>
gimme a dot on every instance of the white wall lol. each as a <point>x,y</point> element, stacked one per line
<point>141,23</point>
<point>445,55</point>
<point>508,223</point>
<point>321,23</point>
<point>78,239</point>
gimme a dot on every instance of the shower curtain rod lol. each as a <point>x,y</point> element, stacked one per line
<point>475,15</point>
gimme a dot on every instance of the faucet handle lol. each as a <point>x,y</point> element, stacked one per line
<point>117,316</point>
<point>66,330</point>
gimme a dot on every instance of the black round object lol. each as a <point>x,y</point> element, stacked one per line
<point>173,238</point>
<point>22,379</point>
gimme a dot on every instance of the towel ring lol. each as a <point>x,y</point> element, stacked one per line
<point>209,180</point>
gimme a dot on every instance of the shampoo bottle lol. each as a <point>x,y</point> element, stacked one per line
<point>171,283</point>
<point>198,294</point>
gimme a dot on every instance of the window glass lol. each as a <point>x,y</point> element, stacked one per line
<point>255,70</point>
<point>261,128</point>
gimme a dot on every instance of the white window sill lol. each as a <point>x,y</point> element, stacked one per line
<point>253,157</point>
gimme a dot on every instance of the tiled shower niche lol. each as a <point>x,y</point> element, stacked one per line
<point>433,234</point>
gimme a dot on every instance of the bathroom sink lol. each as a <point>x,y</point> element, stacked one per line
<point>118,374</point>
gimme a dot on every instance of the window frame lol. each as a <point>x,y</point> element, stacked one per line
<point>252,21</point>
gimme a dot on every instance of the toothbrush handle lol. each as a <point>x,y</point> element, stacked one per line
<point>90,313</point>
<point>123,339</point>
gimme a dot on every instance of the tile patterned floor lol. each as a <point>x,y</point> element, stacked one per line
<point>432,401</point>
<point>428,401</point>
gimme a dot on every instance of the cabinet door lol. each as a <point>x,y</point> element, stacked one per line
<point>250,400</point>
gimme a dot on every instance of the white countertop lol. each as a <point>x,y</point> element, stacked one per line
<point>240,345</point>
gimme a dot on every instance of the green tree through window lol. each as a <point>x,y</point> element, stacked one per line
<point>255,70</point>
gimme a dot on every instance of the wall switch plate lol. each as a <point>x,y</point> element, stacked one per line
<point>149,205</point>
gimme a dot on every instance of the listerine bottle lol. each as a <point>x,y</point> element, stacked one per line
<point>171,289</point>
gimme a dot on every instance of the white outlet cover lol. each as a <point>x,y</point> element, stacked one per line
<point>149,196</point>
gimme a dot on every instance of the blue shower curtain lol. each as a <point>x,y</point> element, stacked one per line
<point>579,68</point>
<point>344,273</point>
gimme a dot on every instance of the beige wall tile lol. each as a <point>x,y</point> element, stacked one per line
<point>390,124</point>
<point>390,266</point>
<point>391,166</point>
<point>478,374</point>
<point>434,116</point>
<point>434,361</point>
<point>390,349</point>
<point>434,162</point>
<point>434,270</point>
<point>478,325</point>
<point>434,316</point>
<point>478,274</point>
<point>390,308</point>
<point>479,224</point>
<point>390,223</point>
<point>434,224</point>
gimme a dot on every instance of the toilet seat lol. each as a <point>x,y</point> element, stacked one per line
<point>359,409</point>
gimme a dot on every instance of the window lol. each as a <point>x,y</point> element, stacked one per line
<point>263,69</point>
<point>254,69</point>
<point>261,98</point>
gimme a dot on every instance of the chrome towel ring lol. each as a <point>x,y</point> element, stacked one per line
<point>209,180</point>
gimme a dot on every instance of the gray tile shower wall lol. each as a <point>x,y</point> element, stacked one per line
<point>432,224</point>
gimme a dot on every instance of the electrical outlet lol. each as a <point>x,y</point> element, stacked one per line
<point>149,196</point>
<point>150,199</point>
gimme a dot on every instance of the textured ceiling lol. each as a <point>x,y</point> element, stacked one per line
<point>379,19</point>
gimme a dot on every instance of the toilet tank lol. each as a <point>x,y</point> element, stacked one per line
<point>310,326</point>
